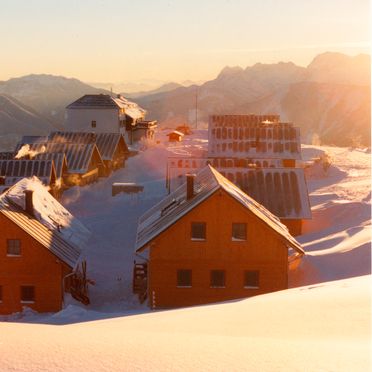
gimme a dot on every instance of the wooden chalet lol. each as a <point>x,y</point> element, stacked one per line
<point>40,250</point>
<point>111,146</point>
<point>12,171</point>
<point>175,136</point>
<point>208,241</point>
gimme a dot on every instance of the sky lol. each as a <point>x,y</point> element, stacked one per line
<point>172,40</point>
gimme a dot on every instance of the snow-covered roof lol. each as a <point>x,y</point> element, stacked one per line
<point>176,132</point>
<point>207,182</point>
<point>105,101</point>
<point>52,225</point>
<point>283,191</point>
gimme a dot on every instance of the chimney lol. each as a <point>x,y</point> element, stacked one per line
<point>190,186</point>
<point>29,205</point>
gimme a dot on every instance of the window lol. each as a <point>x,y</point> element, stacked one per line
<point>251,279</point>
<point>184,278</point>
<point>13,247</point>
<point>198,230</point>
<point>27,293</point>
<point>239,231</point>
<point>94,124</point>
<point>1,293</point>
<point>218,279</point>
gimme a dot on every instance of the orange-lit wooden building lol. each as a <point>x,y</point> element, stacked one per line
<point>208,241</point>
<point>175,136</point>
<point>40,249</point>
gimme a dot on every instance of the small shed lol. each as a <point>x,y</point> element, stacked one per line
<point>126,188</point>
<point>175,136</point>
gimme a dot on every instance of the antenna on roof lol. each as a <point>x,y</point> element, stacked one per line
<point>111,91</point>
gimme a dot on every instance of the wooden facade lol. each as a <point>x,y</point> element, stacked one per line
<point>175,136</point>
<point>250,265</point>
<point>262,252</point>
<point>35,267</point>
<point>40,250</point>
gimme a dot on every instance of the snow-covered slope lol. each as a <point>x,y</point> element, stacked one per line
<point>16,119</point>
<point>322,326</point>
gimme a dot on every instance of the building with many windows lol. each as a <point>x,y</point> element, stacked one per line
<point>208,241</point>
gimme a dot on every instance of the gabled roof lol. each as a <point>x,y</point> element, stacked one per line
<point>59,159</point>
<point>107,143</point>
<point>207,182</point>
<point>176,132</point>
<point>14,170</point>
<point>52,225</point>
<point>283,191</point>
<point>78,155</point>
<point>94,101</point>
<point>105,101</point>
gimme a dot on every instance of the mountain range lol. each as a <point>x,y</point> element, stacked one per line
<point>329,99</point>
<point>17,119</point>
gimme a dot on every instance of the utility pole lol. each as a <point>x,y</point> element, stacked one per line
<point>196,108</point>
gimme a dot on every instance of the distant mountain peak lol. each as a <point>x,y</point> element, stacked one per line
<point>330,58</point>
<point>230,70</point>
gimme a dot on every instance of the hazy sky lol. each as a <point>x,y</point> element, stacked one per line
<point>175,40</point>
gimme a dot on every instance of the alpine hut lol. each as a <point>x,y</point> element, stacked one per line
<point>208,241</point>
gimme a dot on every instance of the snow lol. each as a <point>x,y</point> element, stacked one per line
<point>49,211</point>
<point>317,328</point>
<point>131,108</point>
<point>322,323</point>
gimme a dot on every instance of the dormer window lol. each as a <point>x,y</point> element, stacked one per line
<point>94,124</point>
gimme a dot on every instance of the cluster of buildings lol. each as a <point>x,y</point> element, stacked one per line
<point>94,143</point>
<point>258,153</point>
<point>41,243</point>
<point>225,230</point>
